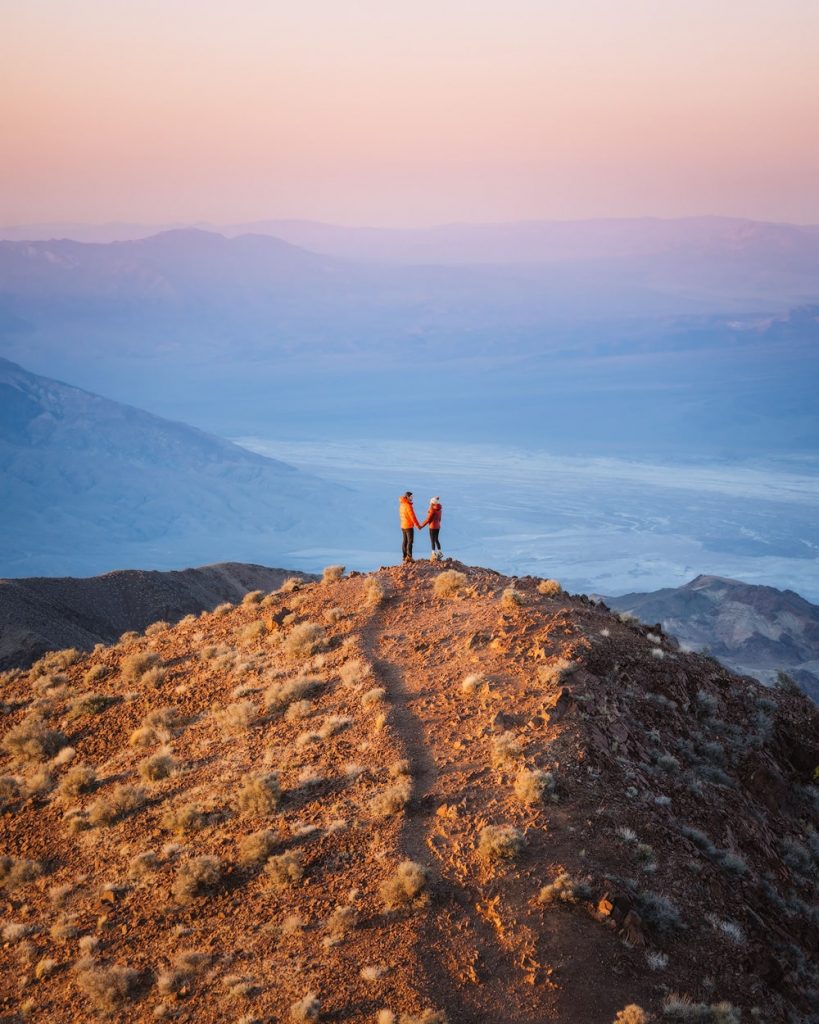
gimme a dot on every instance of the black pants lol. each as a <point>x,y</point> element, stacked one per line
<point>433,537</point>
<point>406,547</point>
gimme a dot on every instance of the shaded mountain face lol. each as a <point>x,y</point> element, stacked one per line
<point>432,791</point>
<point>616,335</point>
<point>89,484</point>
<point>756,630</point>
<point>47,613</point>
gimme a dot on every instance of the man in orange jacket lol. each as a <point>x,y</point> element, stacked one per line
<point>408,523</point>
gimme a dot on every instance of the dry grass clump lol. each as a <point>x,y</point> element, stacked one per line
<point>39,784</point>
<point>291,585</point>
<point>306,1009</point>
<point>158,726</point>
<point>354,672</point>
<point>257,847</point>
<point>298,710</point>
<point>475,683</point>
<point>90,704</point>
<point>374,696</point>
<point>305,640</point>
<point>334,615</point>
<point>683,1007</point>
<point>95,674</point>
<point>631,1014</point>
<point>512,599</point>
<point>374,592</point>
<point>279,695</point>
<point>562,890</point>
<point>332,573</point>
<point>184,818</point>
<point>252,631</point>
<point>253,597</point>
<point>196,877</point>
<point>500,842</point>
<point>506,747</point>
<point>77,780</point>
<point>532,787</point>
<point>10,791</point>
<point>428,1016</point>
<point>558,672</point>
<point>450,583</point>
<point>236,718</point>
<point>108,988</point>
<point>179,979</point>
<point>17,871</point>
<point>259,795</point>
<point>45,967</point>
<point>134,667</point>
<point>142,864</point>
<point>222,609</point>
<point>407,887</point>
<point>120,802</point>
<point>284,869</point>
<point>32,740</point>
<point>549,588</point>
<point>157,766</point>
<point>391,800</point>
<point>157,627</point>
<point>341,921</point>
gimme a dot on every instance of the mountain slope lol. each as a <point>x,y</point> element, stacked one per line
<point>90,484</point>
<point>47,613</point>
<point>651,817</point>
<point>754,629</point>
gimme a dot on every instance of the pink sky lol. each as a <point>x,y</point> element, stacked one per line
<point>393,113</point>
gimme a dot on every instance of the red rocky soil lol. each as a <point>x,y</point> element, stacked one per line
<point>679,804</point>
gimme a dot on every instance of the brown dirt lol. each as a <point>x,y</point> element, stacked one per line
<point>623,728</point>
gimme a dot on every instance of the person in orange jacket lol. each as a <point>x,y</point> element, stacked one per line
<point>409,520</point>
<point>433,520</point>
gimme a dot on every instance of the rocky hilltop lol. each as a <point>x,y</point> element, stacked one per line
<point>42,613</point>
<point>430,793</point>
<point>756,630</point>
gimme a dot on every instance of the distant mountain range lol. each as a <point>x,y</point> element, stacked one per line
<point>755,630</point>
<point>51,613</point>
<point>91,485</point>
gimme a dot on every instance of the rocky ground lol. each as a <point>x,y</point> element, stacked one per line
<point>427,791</point>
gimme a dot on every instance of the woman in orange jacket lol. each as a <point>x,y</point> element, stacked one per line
<point>433,520</point>
<point>408,521</point>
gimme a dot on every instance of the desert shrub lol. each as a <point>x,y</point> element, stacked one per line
<point>134,666</point>
<point>334,615</point>
<point>17,871</point>
<point>63,929</point>
<point>157,766</point>
<point>332,573</point>
<point>449,583</point>
<point>341,921</point>
<point>557,672</point>
<point>184,818</point>
<point>90,704</point>
<point>108,988</point>
<point>157,627</point>
<point>549,588</point>
<point>531,787</point>
<point>95,674</point>
<point>43,968</point>
<point>236,718</point>
<point>222,609</point>
<point>428,1016</point>
<point>158,726</point>
<point>787,684</point>
<point>631,1014</point>
<point>392,799</point>
<point>512,599</point>
<point>196,877</point>
<point>9,791</point>
<point>304,640</point>
<point>284,869</point>
<point>656,960</point>
<point>120,802</point>
<point>683,1007</point>
<point>32,740</point>
<point>128,636</point>
<point>252,631</point>
<point>39,784</point>
<point>628,619</point>
<point>505,747</point>
<point>658,913</point>
<point>374,696</point>
<point>253,597</point>
<point>279,695</point>
<point>306,1009</point>
<point>375,593</point>
<point>500,842</point>
<point>298,709</point>
<point>564,889</point>
<point>291,585</point>
<point>186,964</point>
<point>259,795</point>
<point>354,672</point>
<point>333,724</point>
<point>475,683</point>
<point>142,864</point>
<point>406,887</point>
<point>257,847</point>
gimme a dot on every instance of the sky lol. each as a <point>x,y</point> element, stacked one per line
<point>395,114</point>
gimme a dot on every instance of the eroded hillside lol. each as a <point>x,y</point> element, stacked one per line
<point>431,790</point>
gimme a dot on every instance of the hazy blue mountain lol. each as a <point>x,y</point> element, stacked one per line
<point>697,347</point>
<point>90,485</point>
<point>756,630</point>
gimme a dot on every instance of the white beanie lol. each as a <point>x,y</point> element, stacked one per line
<point>435,501</point>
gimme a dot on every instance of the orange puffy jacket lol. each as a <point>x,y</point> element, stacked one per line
<point>407,513</point>
<point>433,519</point>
